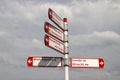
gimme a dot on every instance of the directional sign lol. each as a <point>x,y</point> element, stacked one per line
<point>54,44</point>
<point>86,63</point>
<point>56,19</point>
<point>50,29</point>
<point>38,61</point>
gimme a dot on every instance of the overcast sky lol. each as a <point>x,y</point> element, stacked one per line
<point>94,31</point>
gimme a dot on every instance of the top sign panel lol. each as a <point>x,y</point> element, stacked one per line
<point>56,19</point>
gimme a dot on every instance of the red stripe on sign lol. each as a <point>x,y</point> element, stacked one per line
<point>46,27</point>
<point>101,63</point>
<point>70,62</point>
<point>50,13</point>
<point>46,40</point>
<point>30,61</point>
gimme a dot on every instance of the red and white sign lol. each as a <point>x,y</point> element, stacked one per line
<point>38,61</point>
<point>50,29</point>
<point>86,63</point>
<point>55,44</point>
<point>56,19</point>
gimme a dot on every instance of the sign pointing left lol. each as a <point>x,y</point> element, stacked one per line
<point>41,61</point>
<point>30,61</point>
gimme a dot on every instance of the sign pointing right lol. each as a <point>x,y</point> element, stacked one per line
<point>86,63</point>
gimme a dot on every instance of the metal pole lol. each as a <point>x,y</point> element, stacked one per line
<point>66,56</point>
<point>66,69</point>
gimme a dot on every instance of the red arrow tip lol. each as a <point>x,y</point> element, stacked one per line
<point>30,61</point>
<point>101,63</point>
<point>46,40</point>
<point>50,13</point>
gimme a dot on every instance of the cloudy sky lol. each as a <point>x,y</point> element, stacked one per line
<point>94,31</point>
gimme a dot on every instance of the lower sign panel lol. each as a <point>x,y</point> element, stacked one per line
<point>54,44</point>
<point>38,61</point>
<point>86,63</point>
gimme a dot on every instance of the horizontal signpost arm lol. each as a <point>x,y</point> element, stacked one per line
<point>42,61</point>
<point>86,63</point>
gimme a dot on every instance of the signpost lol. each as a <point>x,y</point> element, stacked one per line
<point>86,63</point>
<point>57,39</point>
<point>40,61</point>
<point>56,19</point>
<point>54,44</point>
<point>53,31</point>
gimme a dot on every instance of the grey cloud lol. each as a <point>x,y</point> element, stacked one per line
<point>59,1</point>
<point>53,1</point>
<point>107,38</point>
<point>99,44</point>
<point>99,16</point>
<point>22,35</point>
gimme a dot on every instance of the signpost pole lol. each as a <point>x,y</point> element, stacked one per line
<point>66,55</point>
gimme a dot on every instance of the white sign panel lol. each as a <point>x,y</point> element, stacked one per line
<point>56,19</point>
<point>39,61</point>
<point>55,44</point>
<point>86,63</point>
<point>50,29</point>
